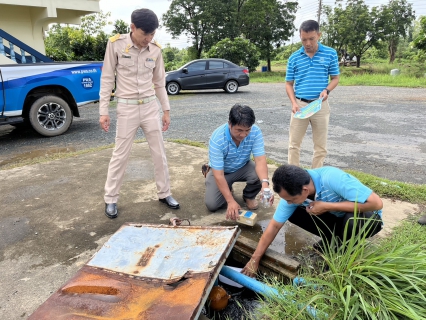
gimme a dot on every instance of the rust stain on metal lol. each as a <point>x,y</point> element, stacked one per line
<point>124,298</point>
<point>146,256</point>
<point>135,277</point>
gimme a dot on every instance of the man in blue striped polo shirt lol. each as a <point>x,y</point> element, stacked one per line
<point>321,201</point>
<point>230,148</point>
<point>307,79</point>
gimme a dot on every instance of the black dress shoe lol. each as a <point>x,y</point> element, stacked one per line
<point>111,210</point>
<point>171,203</point>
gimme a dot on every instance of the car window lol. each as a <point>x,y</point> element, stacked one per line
<point>197,66</point>
<point>216,65</point>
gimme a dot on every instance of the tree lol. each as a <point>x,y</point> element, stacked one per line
<point>84,43</point>
<point>92,24</point>
<point>204,21</point>
<point>395,19</point>
<point>420,40</point>
<point>121,26</point>
<point>58,41</point>
<point>175,58</point>
<point>283,53</point>
<point>352,27</point>
<point>268,24</point>
<point>239,51</point>
<point>335,30</point>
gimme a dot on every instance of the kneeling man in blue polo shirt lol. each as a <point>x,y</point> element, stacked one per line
<point>230,148</point>
<point>321,201</point>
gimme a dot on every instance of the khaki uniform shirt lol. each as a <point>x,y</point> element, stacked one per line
<point>140,73</point>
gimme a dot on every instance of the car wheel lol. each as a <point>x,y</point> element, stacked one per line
<point>231,86</point>
<point>173,88</point>
<point>50,116</point>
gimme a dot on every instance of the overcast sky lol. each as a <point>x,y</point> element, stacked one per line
<point>307,10</point>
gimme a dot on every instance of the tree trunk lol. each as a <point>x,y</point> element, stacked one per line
<point>392,51</point>
<point>269,64</point>
<point>358,61</point>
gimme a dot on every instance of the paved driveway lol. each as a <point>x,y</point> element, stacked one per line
<point>377,130</point>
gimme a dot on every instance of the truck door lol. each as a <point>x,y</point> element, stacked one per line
<point>2,102</point>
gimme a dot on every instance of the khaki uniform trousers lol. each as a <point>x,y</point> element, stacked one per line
<point>298,127</point>
<point>129,119</point>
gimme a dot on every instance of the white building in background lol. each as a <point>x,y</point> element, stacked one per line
<point>27,20</point>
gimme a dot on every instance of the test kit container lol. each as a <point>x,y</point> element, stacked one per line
<point>248,218</point>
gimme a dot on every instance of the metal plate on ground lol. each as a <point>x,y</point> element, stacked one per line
<point>145,271</point>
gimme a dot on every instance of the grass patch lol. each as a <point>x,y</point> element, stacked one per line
<point>365,79</point>
<point>267,77</point>
<point>53,156</point>
<point>370,73</point>
<point>189,143</point>
<point>59,156</point>
<point>356,78</point>
<point>414,193</point>
<point>178,97</point>
<point>381,279</point>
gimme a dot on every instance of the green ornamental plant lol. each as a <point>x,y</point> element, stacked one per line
<point>364,279</point>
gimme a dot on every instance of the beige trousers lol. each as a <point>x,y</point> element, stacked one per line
<point>129,119</point>
<point>298,127</point>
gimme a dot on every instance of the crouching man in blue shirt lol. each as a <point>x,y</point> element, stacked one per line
<point>230,148</point>
<point>321,201</point>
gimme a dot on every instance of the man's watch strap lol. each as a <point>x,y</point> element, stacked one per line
<point>328,91</point>
<point>265,180</point>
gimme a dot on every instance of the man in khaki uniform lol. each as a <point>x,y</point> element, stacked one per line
<point>135,63</point>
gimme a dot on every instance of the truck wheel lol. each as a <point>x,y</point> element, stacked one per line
<point>50,116</point>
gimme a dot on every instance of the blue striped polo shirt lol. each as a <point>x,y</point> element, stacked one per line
<point>224,153</point>
<point>311,75</point>
<point>331,185</point>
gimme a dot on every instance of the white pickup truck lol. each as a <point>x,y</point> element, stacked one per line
<point>47,95</point>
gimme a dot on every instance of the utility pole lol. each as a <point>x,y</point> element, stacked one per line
<point>319,11</point>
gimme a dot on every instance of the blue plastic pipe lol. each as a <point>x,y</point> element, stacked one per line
<point>250,283</point>
<point>260,287</point>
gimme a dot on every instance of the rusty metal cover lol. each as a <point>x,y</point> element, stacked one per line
<point>145,271</point>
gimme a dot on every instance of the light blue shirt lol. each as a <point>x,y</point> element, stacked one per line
<point>311,75</point>
<point>224,153</point>
<point>331,185</point>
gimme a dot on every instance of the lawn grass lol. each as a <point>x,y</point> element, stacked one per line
<point>363,79</point>
<point>370,73</point>
<point>382,80</point>
<point>189,143</point>
<point>414,193</point>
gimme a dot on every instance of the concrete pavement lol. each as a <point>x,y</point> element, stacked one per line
<point>52,220</point>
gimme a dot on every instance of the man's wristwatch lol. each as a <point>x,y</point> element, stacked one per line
<point>265,180</point>
<point>328,91</point>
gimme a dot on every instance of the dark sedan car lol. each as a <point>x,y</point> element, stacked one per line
<point>207,74</point>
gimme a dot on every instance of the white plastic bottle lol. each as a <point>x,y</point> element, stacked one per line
<point>266,197</point>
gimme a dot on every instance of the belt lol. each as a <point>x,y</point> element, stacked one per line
<point>305,100</point>
<point>141,101</point>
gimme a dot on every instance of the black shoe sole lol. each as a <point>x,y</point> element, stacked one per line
<point>111,216</point>
<point>171,207</point>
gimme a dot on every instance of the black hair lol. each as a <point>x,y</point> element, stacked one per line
<point>309,25</point>
<point>145,19</point>
<point>241,115</point>
<point>291,179</point>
